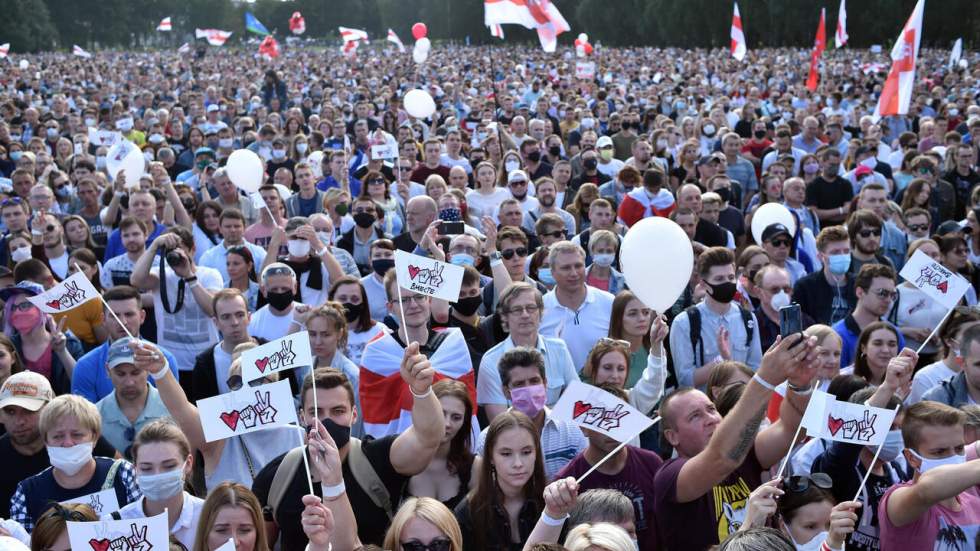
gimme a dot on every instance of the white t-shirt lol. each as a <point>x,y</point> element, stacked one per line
<point>188,331</point>
<point>357,341</point>
<point>479,205</point>
<point>222,365</point>
<point>269,326</point>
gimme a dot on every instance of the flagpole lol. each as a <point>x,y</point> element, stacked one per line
<point>782,467</point>
<point>306,462</point>
<point>77,267</point>
<point>614,452</point>
<point>934,331</point>
<point>871,465</point>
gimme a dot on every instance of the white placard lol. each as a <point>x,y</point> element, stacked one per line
<point>247,410</point>
<point>830,419</point>
<point>70,293</point>
<point>428,276</point>
<point>384,151</point>
<point>134,534</point>
<point>585,70</point>
<point>103,503</point>
<point>942,285</point>
<point>283,354</point>
<point>595,409</point>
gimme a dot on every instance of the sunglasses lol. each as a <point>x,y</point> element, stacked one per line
<point>11,201</point>
<point>781,242</point>
<point>509,253</point>
<point>557,234</point>
<point>868,233</point>
<point>801,483</point>
<point>376,181</point>
<point>918,227</point>
<point>23,306</point>
<point>885,293</point>
<point>614,342</point>
<point>235,382</point>
<point>438,544</point>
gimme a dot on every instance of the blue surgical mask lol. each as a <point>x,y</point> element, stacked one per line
<point>544,276</point>
<point>929,464</point>
<point>16,155</point>
<point>462,259</point>
<point>839,263</point>
<point>894,444</point>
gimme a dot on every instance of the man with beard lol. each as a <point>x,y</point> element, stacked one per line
<point>547,194</point>
<point>864,230</point>
<point>231,317</point>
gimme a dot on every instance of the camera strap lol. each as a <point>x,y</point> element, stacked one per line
<point>163,288</point>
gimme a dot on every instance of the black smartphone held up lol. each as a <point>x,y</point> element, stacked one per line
<point>790,320</point>
<point>451,228</point>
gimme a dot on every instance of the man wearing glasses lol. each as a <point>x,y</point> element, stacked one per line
<point>874,197</point>
<point>864,230</point>
<point>518,183</point>
<point>403,187</point>
<point>777,242</point>
<point>875,291</point>
<point>943,197</point>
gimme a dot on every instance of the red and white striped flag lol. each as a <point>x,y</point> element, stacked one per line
<point>297,25</point>
<point>542,15</point>
<point>497,31</point>
<point>215,37</point>
<point>819,45</point>
<point>896,94</point>
<point>349,48</point>
<point>840,38</point>
<point>393,38</point>
<point>77,50</point>
<point>184,48</point>
<point>386,401</point>
<point>165,25</point>
<point>269,47</point>
<point>350,35</point>
<point>4,50</point>
<point>738,36</point>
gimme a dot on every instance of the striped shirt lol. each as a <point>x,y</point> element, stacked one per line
<point>561,441</point>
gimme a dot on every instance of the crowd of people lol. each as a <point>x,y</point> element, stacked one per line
<point>528,178</point>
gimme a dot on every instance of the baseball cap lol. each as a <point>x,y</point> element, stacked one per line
<point>204,151</point>
<point>862,170</point>
<point>120,353</point>
<point>517,175</point>
<point>28,288</point>
<point>213,107</point>
<point>772,230</point>
<point>604,141</point>
<point>26,389</point>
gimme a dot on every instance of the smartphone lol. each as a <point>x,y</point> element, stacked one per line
<point>790,320</point>
<point>451,228</point>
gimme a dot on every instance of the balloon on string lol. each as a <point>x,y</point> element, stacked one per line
<point>419,30</point>
<point>128,158</point>
<point>419,104</point>
<point>583,37</point>
<point>419,55</point>
<point>657,259</point>
<point>245,170</point>
<point>769,214</point>
<point>423,44</point>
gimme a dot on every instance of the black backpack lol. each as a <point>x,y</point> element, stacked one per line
<point>697,343</point>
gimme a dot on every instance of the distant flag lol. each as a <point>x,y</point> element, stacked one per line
<point>352,35</point>
<point>269,47</point>
<point>4,50</point>
<point>254,25</point>
<point>184,48</point>
<point>393,38</point>
<point>497,31</point>
<point>738,36</point>
<point>819,45</point>
<point>542,15</point>
<point>954,56</point>
<point>896,94</point>
<point>350,47</point>
<point>165,25</point>
<point>77,50</point>
<point>215,37</point>
<point>297,24</point>
<point>840,38</point>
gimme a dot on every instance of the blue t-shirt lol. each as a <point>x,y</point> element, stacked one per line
<point>308,206</point>
<point>90,379</point>
<point>849,333</point>
<point>115,246</point>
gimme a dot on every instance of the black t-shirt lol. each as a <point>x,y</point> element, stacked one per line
<point>824,194</point>
<point>17,467</point>
<point>372,521</point>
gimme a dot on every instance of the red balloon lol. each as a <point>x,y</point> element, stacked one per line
<point>588,49</point>
<point>419,30</point>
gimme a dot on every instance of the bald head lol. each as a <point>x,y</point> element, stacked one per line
<point>420,211</point>
<point>689,196</point>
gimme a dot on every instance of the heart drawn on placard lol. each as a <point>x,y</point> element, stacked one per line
<point>580,408</point>
<point>55,304</point>
<point>834,424</point>
<point>99,545</point>
<point>262,364</point>
<point>944,286</point>
<point>413,271</point>
<point>231,419</point>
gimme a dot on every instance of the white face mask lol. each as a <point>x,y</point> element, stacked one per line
<point>226,143</point>
<point>161,486</point>
<point>813,545</point>
<point>779,300</point>
<point>325,237</point>
<point>870,162</point>
<point>510,165</point>
<point>298,247</point>
<point>301,147</point>
<point>604,260</point>
<point>20,254</point>
<point>278,153</point>
<point>894,444</point>
<point>929,464</point>
<point>124,124</point>
<point>70,460</point>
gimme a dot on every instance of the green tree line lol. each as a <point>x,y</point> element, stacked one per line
<point>32,25</point>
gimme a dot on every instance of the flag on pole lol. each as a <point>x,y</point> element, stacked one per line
<point>77,50</point>
<point>184,48</point>
<point>932,278</point>
<point>277,356</point>
<point>253,25</point>
<point>497,31</point>
<point>840,38</point>
<point>352,35</point>
<point>297,24</point>
<point>954,56</point>
<point>827,418</point>
<point>214,37</point>
<point>269,47</point>
<point>738,36</point>
<point>386,401</point>
<point>393,38</point>
<point>595,409</point>
<point>819,45</point>
<point>542,15</point>
<point>896,94</point>
<point>4,50</point>
<point>165,25</point>
<point>349,48</point>
<point>70,293</point>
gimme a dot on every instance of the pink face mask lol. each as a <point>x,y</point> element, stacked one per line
<point>25,320</point>
<point>529,400</point>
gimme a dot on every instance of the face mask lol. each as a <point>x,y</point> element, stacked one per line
<point>20,254</point>
<point>158,487</point>
<point>364,219</point>
<point>324,237</point>
<point>99,162</point>
<point>468,306</point>
<point>298,247</point>
<point>554,150</point>
<point>725,194</point>
<point>839,263</point>
<point>155,138</point>
<point>65,191</point>
<point>544,276</point>
<point>301,147</point>
<point>813,545</point>
<point>723,292</point>
<point>606,154</point>
<point>587,123</point>
<point>870,162</point>
<point>604,260</point>
<point>661,145</point>
<point>352,311</point>
<point>779,300</point>
<point>382,265</point>
<point>534,156</point>
<point>52,133</point>
<point>811,168</point>
<point>124,124</point>
<point>340,209</point>
<point>278,153</point>
<point>16,155</point>
<point>339,433</point>
<point>894,444</point>
<point>462,259</point>
<point>89,122</point>
<point>280,301</point>
<point>450,215</point>
<point>708,130</point>
<point>953,112</point>
<point>759,134</point>
<point>510,165</point>
<point>590,164</point>
<point>226,143</point>
<point>529,400</point>
<point>929,464</point>
<point>70,460</point>
<point>23,321</point>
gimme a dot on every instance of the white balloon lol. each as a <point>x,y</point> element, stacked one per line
<point>768,214</point>
<point>419,55</point>
<point>583,37</point>
<point>419,104</point>
<point>24,64</point>
<point>657,259</point>
<point>314,161</point>
<point>125,156</point>
<point>245,170</point>
<point>423,44</point>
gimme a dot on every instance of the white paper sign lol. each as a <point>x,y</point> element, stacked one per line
<point>585,70</point>
<point>282,354</point>
<point>70,293</point>
<point>107,138</point>
<point>228,546</point>
<point>846,422</point>
<point>428,276</point>
<point>135,534</point>
<point>247,410</point>
<point>384,151</point>
<point>103,503</point>
<point>876,48</point>
<point>595,409</point>
<point>943,286</point>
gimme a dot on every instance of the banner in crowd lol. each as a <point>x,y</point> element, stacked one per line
<point>276,356</point>
<point>103,502</point>
<point>940,284</point>
<point>595,409</point>
<point>215,37</point>
<point>428,276</point>
<point>247,410</point>
<point>165,25</point>
<point>134,534</point>
<point>70,293</point>
<point>107,138</point>
<point>828,418</point>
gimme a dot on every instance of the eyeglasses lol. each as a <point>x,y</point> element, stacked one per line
<point>23,306</point>
<point>781,242</point>
<point>557,234</point>
<point>376,181</point>
<point>801,483</point>
<point>918,227</point>
<point>509,253</point>
<point>529,308</point>
<point>417,299</point>
<point>518,183</point>
<point>11,201</point>
<point>868,233</point>
<point>438,544</point>
<point>404,168</point>
<point>885,293</point>
<point>284,270</point>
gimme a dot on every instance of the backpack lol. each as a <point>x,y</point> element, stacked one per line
<point>364,474</point>
<point>697,343</point>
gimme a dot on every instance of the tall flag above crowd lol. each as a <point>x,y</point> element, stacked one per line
<point>215,37</point>
<point>253,25</point>
<point>840,38</point>
<point>896,93</point>
<point>165,25</point>
<point>393,38</point>
<point>738,36</point>
<point>541,15</point>
<point>819,45</point>
<point>78,51</point>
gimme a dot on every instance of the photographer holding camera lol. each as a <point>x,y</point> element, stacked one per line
<point>184,324</point>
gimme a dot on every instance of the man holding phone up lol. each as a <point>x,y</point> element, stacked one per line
<point>775,292</point>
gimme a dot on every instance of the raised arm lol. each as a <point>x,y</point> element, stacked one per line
<point>501,277</point>
<point>181,217</point>
<point>335,506</point>
<point>908,503</point>
<point>141,278</point>
<point>559,498</point>
<point>650,388</point>
<point>412,451</point>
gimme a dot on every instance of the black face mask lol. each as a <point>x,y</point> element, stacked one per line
<point>364,219</point>
<point>534,156</point>
<point>554,150</point>
<point>382,265</point>
<point>590,164</point>
<point>339,433</point>
<point>469,305</point>
<point>759,134</point>
<point>352,311</point>
<point>723,292</point>
<point>725,194</point>
<point>280,301</point>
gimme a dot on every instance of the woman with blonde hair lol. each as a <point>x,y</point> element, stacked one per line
<point>231,511</point>
<point>423,523</point>
<point>51,532</point>
<point>435,186</point>
<point>601,536</point>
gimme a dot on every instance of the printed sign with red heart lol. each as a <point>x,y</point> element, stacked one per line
<point>54,304</point>
<point>944,286</point>
<point>413,271</point>
<point>99,545</point>
<point>834,424</point>
<point>231,419</point>
<point>262,364</point>
<point>580,408</point>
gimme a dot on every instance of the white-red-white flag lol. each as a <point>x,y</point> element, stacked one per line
<point>351,35</point>
<point>393,38</point>
<point>165,25</point>
<point>840,38</point>
<point>77,50</point>
<point>297,25</point>
<point>896,94</point>
<point>497,31</point>
<point>215,37</point>
<point>542,15</point>
<point>349,48</point>
<point>184,48</point>
<point>4,49</point>
<point>738,36</point>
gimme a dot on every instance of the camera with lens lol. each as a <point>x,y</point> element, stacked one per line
<point>174,258</point>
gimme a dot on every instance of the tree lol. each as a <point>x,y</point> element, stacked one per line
<point>26,24</point>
